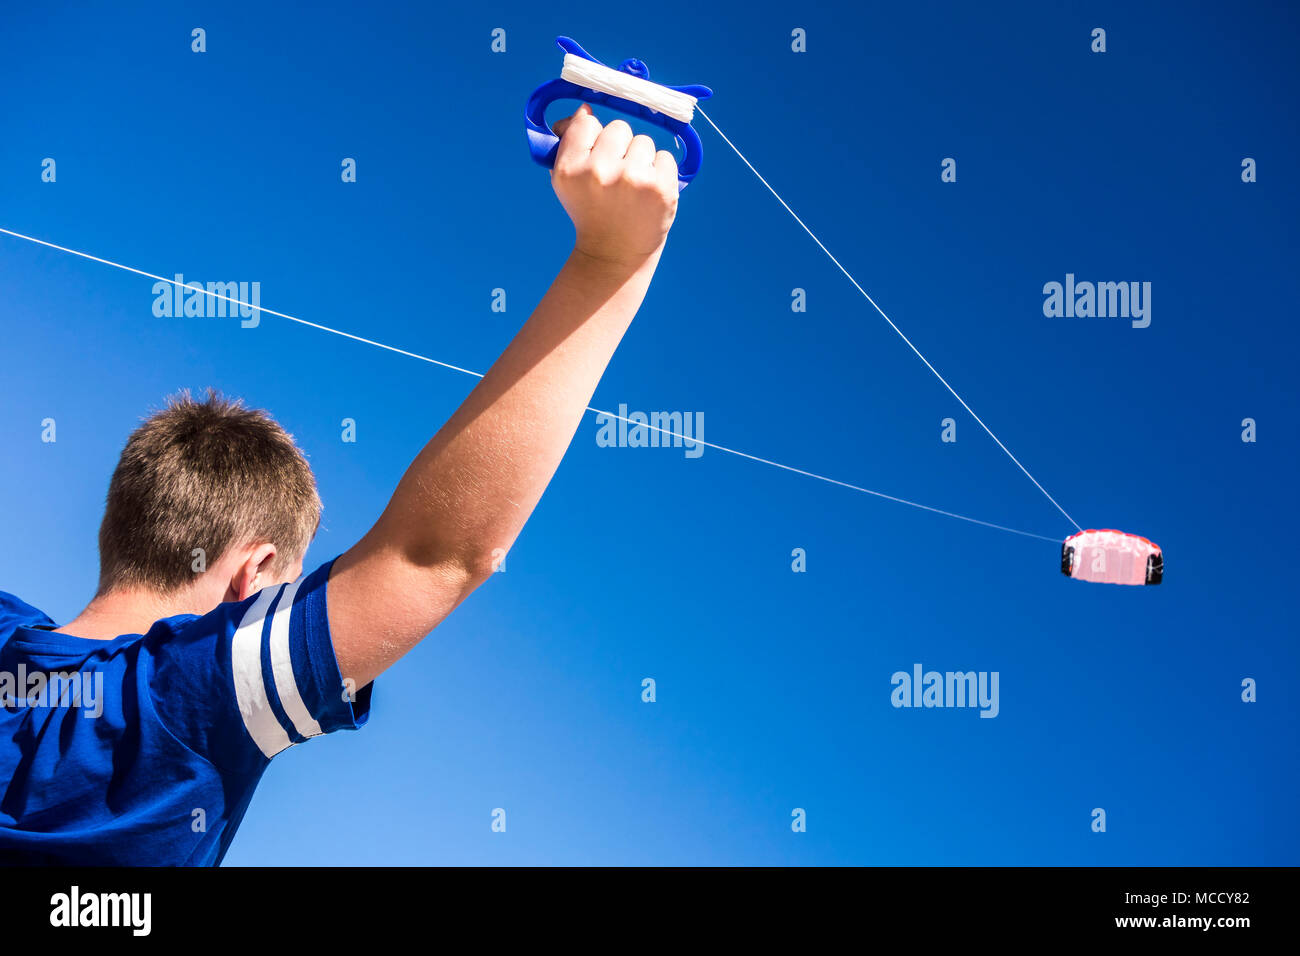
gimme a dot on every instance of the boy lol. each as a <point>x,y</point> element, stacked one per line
<point>136,733</point>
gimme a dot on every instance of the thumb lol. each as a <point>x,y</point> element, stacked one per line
<point>563,124</point>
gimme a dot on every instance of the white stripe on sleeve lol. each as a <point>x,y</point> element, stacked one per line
<point>250,687</point>
<point>282,666</point>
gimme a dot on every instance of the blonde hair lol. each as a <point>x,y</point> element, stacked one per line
<point>205,474</point>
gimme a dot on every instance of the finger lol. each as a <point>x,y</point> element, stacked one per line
<point>611,146</point>
<point>559,128</point>
<point>641,152</point>
<point>666,171</point>
<point>580,134</point>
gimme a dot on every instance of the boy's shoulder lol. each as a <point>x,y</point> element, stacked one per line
<point>15,612</point>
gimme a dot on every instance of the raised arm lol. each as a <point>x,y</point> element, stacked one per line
<point>474,485</point>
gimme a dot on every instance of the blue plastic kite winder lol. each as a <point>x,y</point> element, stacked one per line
<point>542,143</point>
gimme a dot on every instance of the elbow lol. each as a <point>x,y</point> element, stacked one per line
<point>460,569</point>
<point>475,567</point>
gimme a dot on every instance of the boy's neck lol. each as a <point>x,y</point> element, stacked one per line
<point>127,612</point>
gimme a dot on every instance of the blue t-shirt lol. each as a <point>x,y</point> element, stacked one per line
<point>146,749</point>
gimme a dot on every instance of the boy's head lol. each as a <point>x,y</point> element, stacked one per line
<point>209,495</point>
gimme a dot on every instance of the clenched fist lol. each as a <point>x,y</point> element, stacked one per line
<point>619,191</point>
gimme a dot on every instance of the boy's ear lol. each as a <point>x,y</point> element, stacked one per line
<point>252,573</point>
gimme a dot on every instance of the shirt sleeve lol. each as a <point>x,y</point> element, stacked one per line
<point>251,679</point>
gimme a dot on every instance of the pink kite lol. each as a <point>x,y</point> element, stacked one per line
<point>1112,557</point>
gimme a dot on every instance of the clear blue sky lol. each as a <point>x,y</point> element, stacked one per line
<point>773,687</point>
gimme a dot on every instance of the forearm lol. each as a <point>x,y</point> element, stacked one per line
<point>468,493</point>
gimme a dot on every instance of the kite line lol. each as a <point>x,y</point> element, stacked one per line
<point>887,318</point>
<point>456,368</point>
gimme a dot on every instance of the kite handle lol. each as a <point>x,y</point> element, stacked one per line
<point>543,143</point>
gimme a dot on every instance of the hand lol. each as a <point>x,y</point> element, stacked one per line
<point>619,191</point>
